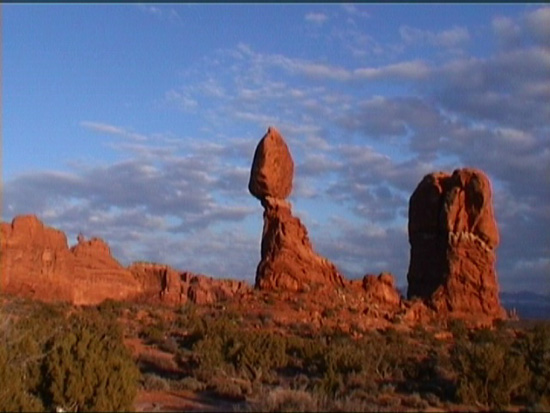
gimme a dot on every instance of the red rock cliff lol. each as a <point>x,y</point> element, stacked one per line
<point>37,263</point>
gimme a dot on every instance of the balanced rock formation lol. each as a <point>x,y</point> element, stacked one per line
<point>453,236</point>
<point>36,262</point>
<point>272,168</point>
<point>288,261</point>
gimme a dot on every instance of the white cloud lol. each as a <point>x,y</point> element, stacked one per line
<point>181,99</point>
<point>108,129</point>
<point>355,10</point>
<point>160,12</point>
<point>317,18</point>
<point>538,22</point>
<point>449,38</point>
<point>506,30</point>
<point>416,69</point>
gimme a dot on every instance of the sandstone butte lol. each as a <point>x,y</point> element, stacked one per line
<point>452,232</point>
<point>453,236</point>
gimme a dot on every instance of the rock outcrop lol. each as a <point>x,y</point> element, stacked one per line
<point>288,261</point>
<point>453,236</point>
<point>162,282</point>
<point>37,263</point>
<point>381,290</point>
<point>207,290</point>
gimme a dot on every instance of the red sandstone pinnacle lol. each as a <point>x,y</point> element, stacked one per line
<point>288,261</point>
<point>272,168</point>
<point>453,236</point>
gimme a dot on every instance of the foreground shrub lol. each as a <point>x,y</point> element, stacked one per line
<point>22,353</point>
<point>88,367</point>
<point>255,354</point>
<point>535,347</point>
<point>14,394</point>
<point>490,371</point>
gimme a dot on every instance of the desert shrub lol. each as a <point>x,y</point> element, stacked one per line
<point>111,308</point>
<point>88,368</point>
<point>208,353</point>
<point>306,355</point>
<point>229,388</point>
<point>414,401</point>
<point>535,347</point>
<point>15,395</point>
<point>169,345</point>
<point>489,370</point>
<point>154,333</point>
<point>338,365</point>
<point>22,353</point>
<point>257,353</point>
<point>458,328</point>
<point>188,383</point>
<point>285,400</point>
<point>222,344</point>
<point>151,381</point>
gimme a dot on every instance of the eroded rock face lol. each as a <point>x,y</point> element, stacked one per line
<point>381,289</point>
<point>453,236</point>
<point>272,168</point>
<point>288,261</point>
<point>160,282</point>
<point>207,290</point>
<point>37,263</point>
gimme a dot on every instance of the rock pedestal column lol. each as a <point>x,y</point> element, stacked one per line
<point>288,261</point>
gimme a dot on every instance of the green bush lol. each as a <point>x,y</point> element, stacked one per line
<point>256,354</point>
<point>88,367</point>
<point>535,347</point>
<point>22,353</point>
<point>15,395</point>
<point>154,333</point>
<point>151,381</point>
<point>490,370</point>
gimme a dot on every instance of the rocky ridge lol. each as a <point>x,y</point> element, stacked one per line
<point>452,232</point>
<point>37,263</point>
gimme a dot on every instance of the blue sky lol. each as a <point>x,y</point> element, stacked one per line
<point>138,124</point>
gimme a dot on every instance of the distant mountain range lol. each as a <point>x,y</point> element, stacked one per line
<point>529,305</point>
